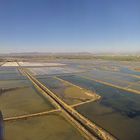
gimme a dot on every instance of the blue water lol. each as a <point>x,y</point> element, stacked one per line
<point>117,109</point>
<point>128,71</point>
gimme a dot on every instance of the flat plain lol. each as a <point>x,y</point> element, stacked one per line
<point>105,92</point>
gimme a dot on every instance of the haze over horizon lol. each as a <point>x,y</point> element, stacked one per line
<point>96,26</point>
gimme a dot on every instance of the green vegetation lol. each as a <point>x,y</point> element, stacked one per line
<point>48,57</point>
<point>120,58</point>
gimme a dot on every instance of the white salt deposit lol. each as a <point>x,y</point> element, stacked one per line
<point>10,64</point>
<point>40,64</point>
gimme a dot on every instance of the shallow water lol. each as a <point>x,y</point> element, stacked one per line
<point>14,83</point>
<point>19,97</point>
<point>117,109</point>
<point>47,127</point>
<point>23,101</point>
<point>10,74</point>
<point>129,71</point>
<point>116,78</point>
<point>68,93</point>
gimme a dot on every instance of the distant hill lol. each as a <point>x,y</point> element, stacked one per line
<point>67,54</point>
<point>42,54</point>
<point>37,56</point>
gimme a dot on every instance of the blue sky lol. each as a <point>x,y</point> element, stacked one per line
<point>69,26</point>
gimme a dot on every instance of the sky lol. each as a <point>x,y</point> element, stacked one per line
<point>69,26</point>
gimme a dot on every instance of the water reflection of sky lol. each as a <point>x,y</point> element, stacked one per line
<point>117,108</point>
<point>120,100</point>
<point>129,71</point>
